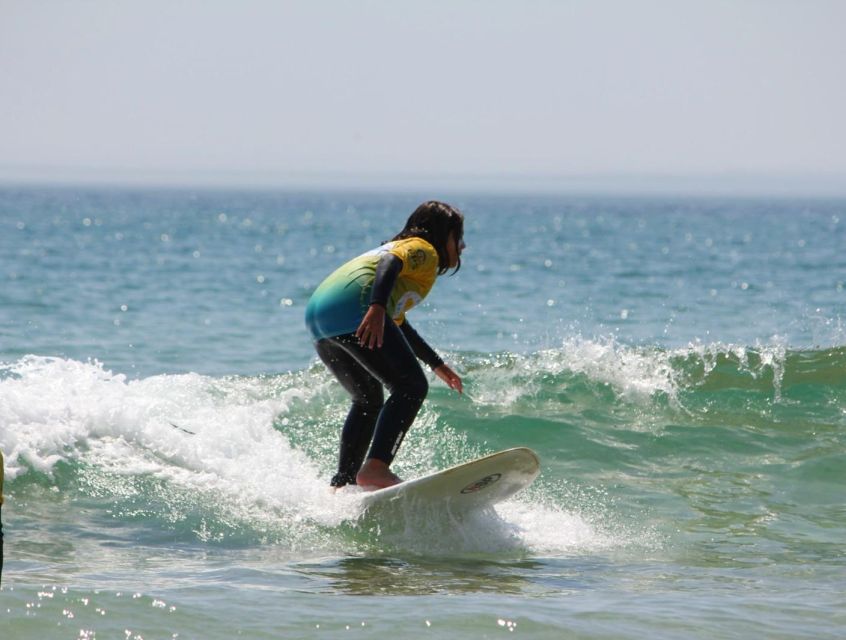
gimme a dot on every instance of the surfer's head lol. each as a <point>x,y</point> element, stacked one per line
<point>442,226</point>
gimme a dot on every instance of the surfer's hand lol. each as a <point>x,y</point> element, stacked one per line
<point>450,377</point>
<point>372,328</point>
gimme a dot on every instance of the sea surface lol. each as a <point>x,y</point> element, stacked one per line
<point>678,364</point>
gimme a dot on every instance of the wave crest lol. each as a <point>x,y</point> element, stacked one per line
<point>644,374</point>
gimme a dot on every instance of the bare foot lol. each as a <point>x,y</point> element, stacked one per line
<point>374,474</point>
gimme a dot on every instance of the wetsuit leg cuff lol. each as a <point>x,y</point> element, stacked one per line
<point>342,479</point>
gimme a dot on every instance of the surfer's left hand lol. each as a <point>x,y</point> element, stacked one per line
<point>450,377</point>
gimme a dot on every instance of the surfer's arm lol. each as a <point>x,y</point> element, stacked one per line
<point>419,346</point>
<point>387,271</point>
<point>428,355</point>
<point>371,330</point>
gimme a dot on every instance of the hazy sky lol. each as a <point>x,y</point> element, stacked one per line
<point>453,88</point>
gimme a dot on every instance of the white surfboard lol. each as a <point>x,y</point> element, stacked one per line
<point>466,487</point>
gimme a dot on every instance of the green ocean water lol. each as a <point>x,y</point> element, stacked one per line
<point>678,366</point>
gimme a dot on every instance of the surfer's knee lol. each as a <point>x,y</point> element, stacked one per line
<point>369,397</point>
<point>413,386</point>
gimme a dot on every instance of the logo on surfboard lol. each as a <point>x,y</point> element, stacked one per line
<point>473,487</point>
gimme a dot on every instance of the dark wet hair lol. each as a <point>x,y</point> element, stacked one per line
<point>434,221</point>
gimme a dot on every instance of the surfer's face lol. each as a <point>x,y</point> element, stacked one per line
<point>454,248</point>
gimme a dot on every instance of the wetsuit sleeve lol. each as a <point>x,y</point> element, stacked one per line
<point>420,347</point>
<point>387,270</point>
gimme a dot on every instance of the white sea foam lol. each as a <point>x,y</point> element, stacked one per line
<point>518,526</point>
<point>554,531</point>
<point>54,410</point>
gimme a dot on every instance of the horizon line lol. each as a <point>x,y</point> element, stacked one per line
<point>728,182</point>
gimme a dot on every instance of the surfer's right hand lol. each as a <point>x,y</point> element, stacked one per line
<point>371,331</point>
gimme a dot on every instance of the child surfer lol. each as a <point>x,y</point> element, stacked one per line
<point>357,318</point>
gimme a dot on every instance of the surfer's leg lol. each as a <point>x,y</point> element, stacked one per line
<point>395,364</point>
<point>367,401</point>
